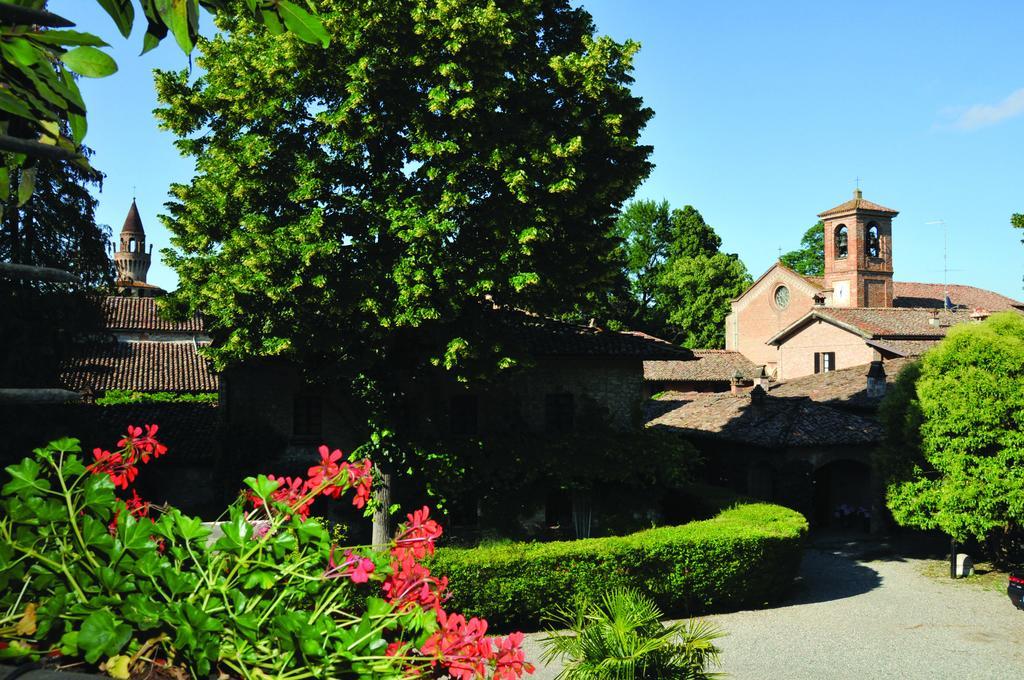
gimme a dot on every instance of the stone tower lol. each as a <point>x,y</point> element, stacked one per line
<point>858,253</point>
<point>130,258</point>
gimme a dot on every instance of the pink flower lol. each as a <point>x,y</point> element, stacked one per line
<point>417,537</point>
<point>355,567</point>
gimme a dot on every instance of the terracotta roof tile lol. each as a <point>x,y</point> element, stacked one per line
<point>932,296</point>
<point>858,203</point>
<point>775,423</point>
<point>707,365</point>
<point>141,366</point>
<point>142,314</point>
<point>846,387</point>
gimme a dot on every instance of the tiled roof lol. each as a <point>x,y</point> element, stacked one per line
<point>932,295</point>
<point>775,423</point>
<point>142,314</point>
<point>542,336</point>
<point>904,348</point>
<point>885,324</point>
<point>846,387</point>
<point>857,203</point>
<point>707,365</point>
<point>140,366</point>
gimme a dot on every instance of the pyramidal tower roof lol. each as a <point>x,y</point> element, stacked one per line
<point>133,223</point>
<point>858,202</point>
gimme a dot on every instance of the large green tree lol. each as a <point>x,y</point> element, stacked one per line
<point>678,283</point>
<point>358,209</point>
<point>697,293</point>
<point>809,258</point>
<point>954,453</point>
<point>55,227</point>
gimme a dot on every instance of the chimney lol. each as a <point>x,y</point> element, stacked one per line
<point>933,320</point>
<point>979,314</point>
<point>819,300</point>
<point>757,396</point>
<point>762,379</point>
<point>876,380</point>
<point>736,383</point>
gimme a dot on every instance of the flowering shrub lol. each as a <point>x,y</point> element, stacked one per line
<point>124,586</point>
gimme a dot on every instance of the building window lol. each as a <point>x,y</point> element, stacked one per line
<point>824,362</point>
<point>307,415</point>
<point>131,245</point>
<point>841,241</point>
<point>559,412</point>
<point>782,297</point>
<point>872,245</point>
<point>463,415</point>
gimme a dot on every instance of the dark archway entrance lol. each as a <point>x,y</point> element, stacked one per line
<point>842,494</point>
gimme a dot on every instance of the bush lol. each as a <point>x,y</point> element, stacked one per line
<point>117,397</point>
<point>744,557</point>
<point>954,453</point>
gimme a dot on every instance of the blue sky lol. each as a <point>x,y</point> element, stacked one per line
<point>765,113</point>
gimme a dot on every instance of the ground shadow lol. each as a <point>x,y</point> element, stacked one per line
<point>825,576</point>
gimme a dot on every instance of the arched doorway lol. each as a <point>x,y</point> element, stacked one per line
<point>842,495</point>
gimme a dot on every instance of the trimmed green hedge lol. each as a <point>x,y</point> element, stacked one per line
<point>744,557</point>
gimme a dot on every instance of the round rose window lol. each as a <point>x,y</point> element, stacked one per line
<point>782,297</point>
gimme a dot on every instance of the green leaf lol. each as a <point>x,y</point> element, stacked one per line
<point>262,486</point>
<point>175,14</point>
<point>21,51</point>
<point>122,12</point>
<point>137,534</point>
<point>67,38</point>
<point>102,635</point>
<point>27,185</point>
<point>13,105</point>
<point>99,495</point>
<point>89,62</point>
<point>304,25</point>
<point>25,480</point>
<point>191,528</point>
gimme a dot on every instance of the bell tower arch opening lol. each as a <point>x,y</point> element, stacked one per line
<point>858,256</point>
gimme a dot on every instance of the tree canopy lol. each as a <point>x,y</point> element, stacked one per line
<point>39,58</point>
<point>360,207</point>
<point>678,283</point>
<point>55,227</point>
<point>809,258</point>
<point>954,453</point>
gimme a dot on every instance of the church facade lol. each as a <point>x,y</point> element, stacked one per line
<point>856,313</point>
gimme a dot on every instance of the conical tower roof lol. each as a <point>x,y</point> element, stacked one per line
<point>133,223</point>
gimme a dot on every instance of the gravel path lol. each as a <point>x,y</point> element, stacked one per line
<point>876,617</point>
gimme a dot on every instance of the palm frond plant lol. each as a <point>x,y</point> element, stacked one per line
<point>621,637</point>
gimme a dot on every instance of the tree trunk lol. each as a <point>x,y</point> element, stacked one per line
<point>383,525</point>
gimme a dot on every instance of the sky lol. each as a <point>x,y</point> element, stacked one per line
<point>765,115</point>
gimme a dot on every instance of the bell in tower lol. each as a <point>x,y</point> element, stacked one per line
<point>858,253</point>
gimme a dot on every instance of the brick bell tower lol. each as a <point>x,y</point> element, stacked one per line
<point>858,253</point>
<point>130,258</point>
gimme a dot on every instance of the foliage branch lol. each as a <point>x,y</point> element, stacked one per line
<point>124,587</point>
<point>953,459</point>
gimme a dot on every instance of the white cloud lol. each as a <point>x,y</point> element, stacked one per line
<point>983,115</point>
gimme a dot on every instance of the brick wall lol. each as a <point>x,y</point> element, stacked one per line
<point>756,317</point>
<point>796,354</point>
